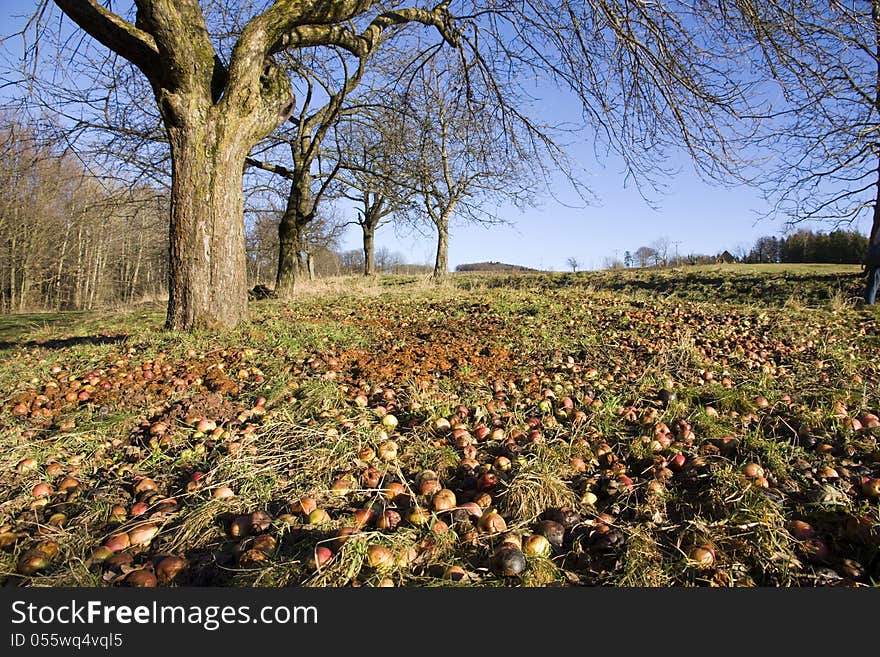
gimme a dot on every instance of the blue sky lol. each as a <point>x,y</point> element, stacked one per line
<point>696,217</point>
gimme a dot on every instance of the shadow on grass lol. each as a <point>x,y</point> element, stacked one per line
<point>64,343</point>
<point>747,287</point>
<point>15,326</point>
<point>39,330</point>
<point>732,284</point>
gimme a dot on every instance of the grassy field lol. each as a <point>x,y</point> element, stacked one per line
<point>708,426</point>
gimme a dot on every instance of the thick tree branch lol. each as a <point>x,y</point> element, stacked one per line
<point>115,33</point>
<point>264,35</point>
<point>182,40</point>
<point>364,43</point>
<point>277,169</point>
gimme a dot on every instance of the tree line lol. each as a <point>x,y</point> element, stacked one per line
<point>839,247</point>
<point>69,240</point>
<point>802,246</point>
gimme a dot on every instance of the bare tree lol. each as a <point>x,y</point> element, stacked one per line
<point>370,142</point>
<point>573,264</point>
<point>319,236</point>
<point>352,262</point>
<point>305,142</point>
<point>458,161</point>
<point>374,208</point>
<point>644,255</point>
<point>612,263</point>
<point>661,251</point>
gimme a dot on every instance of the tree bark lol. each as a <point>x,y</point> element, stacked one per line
<point>57,303</point>
<point>289,248</point>
<point>78,277</point>
<point>297,215</point>
<point>441,264</point>
<point>207,283</point>
<point>369,251</point>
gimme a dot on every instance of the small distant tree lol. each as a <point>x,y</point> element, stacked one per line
<point>765,250</point>
<point>371,142</point>
<point>661,251</point>
<point>316,240</point>
<point>325,262</point>
<point>573,263</point>
<point>627,259</point>
<point>387,261</point>
<point>645,255</point>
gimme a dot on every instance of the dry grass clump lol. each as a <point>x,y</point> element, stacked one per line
<point>535,487</point>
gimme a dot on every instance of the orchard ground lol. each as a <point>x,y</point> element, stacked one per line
<point>708,426</point>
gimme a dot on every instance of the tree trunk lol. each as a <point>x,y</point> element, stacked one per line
<point>27,273</point>
<point>297,214</point>
<point>369,249</point>
<point>78,279</point>
<point>441,264</point>
<point>207,284</point>
<point>57,303</point>
<point>94,275</point>
<point>874,235</point>
<point>290,245</point>
<point>132,283</point>
<point>13,260</point>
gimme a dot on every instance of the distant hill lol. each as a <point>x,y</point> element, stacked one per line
<point>492,266</point>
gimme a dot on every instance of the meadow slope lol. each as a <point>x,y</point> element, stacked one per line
<point>709,426</point>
